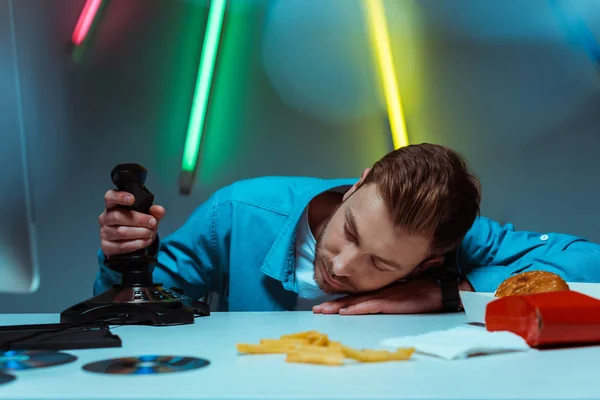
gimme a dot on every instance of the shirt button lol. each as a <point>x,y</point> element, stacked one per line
<point>544,237</point>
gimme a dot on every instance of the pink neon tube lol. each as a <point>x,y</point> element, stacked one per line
<point>85,20</point>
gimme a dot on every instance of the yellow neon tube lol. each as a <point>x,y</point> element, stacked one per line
<point>378,32</point>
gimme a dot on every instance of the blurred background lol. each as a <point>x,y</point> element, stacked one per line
<point>299,87</point>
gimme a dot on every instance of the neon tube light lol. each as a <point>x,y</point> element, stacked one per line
<point>380,40</point>
<point>90,9</point>
<point>203,83</point>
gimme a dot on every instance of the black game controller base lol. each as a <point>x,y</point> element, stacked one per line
<point>139,305</point>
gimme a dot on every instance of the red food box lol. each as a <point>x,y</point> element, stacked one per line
<point>547,319</point>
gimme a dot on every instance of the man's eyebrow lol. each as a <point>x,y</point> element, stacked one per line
<point>352,222</point>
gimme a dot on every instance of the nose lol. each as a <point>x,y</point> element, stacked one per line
<point>345,262</point>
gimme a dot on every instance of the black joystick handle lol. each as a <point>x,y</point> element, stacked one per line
<point>131,178</point>
<point>135,266</point>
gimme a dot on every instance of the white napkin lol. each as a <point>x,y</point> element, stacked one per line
<point>460,342</point>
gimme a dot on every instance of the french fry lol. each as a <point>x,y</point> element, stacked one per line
<point>301,335</point>
<point>313,347</point>
<point>264,349</point>
<point>277,342</point>
<point>400,354</point>
<point>317,349</point>
<point>334,345</point>
<point>315,358</point>
<point>367,355</point>
<point>314,337</point>
<point>354,354</point>
<point>322,340</point>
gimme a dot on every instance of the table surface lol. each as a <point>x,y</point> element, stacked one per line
<point>550,374</point>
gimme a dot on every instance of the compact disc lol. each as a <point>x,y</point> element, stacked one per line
<point>145,365</point>
<point>28,359</point>
<point>5,378</point>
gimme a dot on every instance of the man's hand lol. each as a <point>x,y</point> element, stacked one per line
<point>122,230</point>
<point>412,297</point>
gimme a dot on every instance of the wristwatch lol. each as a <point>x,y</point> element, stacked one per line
<point>448,281</point>
<point>450,292</point>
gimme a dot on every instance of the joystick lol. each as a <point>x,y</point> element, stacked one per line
<point>137,299</point>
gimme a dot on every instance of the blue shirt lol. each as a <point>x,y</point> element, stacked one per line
<point>240,244</point>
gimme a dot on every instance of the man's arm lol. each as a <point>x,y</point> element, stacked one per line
<point>191,258</point>
<point>490,253</point>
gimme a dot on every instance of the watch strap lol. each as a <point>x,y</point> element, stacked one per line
<point>450,293</point>
<point>448,281</point>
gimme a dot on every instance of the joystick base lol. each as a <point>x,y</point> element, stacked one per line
<point>137,304</point>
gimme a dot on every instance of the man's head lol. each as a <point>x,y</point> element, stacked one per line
<point>415,204</point>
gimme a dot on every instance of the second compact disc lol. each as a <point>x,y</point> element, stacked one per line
<point>28,359</point>
<point>146,365</point>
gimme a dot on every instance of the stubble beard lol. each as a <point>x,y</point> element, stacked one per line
<point>325,262</point>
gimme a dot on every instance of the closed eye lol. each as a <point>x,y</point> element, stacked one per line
<point>375,263</point>
<point>349,234</point>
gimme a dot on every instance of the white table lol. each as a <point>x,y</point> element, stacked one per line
<point>556,374</point>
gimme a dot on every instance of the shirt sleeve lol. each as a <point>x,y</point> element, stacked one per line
<point>191,258</point>
<point>491,253</point>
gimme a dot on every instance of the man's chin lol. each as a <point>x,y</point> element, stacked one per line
<point>323,286</point>
<point>328,289</point>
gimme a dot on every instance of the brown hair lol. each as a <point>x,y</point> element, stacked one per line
<point>428,189</point>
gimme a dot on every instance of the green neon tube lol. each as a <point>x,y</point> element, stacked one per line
<point>216,15</point>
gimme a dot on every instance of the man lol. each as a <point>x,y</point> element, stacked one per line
<point>343,246</point>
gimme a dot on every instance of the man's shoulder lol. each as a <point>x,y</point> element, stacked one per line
<point>278,193</point>
<point>485,223</point>
<point>488,232</point>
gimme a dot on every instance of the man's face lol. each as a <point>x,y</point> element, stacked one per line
<point>359,249</point>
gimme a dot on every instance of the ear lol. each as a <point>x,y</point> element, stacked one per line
<point>427,264</point>
<point>431,263</point>
<point>357,184</point>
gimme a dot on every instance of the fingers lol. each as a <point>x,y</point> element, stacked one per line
<point>123,230</point>
<point>124,239</point>
<point>121,217</point>
<point>373,306</point>
<point>333,307</point>
<point>114,198</point>
<point>367,304</point>
<point>320,308</point>
<point>111,248</point>
<point>384,305</point>
<point>329,305</point>
<point>363,305</point>
<point>157,212</point>
<point>120,233</point>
